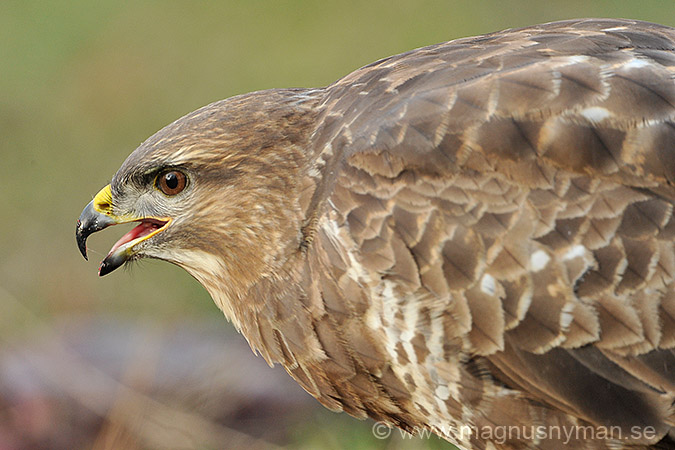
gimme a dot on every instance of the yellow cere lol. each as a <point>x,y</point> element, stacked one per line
<point>103,201</point>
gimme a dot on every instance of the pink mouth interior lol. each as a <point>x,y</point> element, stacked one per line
<point>143,229</point>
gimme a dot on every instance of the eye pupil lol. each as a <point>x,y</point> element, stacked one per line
<point>171,182</point>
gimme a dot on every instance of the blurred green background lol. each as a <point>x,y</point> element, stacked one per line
<point>82,83</point>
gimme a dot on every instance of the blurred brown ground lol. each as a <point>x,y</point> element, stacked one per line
<point>107,383</point>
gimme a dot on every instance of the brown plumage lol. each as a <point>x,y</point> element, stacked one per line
<point>473,234</point>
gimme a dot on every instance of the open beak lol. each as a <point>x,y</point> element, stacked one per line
<point>98,215</point>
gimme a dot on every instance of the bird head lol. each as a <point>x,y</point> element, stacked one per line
<point>212,192</point>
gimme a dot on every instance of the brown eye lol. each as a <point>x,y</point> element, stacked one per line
<point>171,182</point>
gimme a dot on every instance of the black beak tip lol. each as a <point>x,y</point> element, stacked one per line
<point>81,238</point>
<point>110,263</point>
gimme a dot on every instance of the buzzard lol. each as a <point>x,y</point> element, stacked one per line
<point>473,238</point>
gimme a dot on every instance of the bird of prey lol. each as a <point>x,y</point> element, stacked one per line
<point>473,238</point>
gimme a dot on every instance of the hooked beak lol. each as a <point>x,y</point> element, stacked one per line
<point>98,215</point>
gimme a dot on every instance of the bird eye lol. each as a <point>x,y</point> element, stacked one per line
<point>171,182</point>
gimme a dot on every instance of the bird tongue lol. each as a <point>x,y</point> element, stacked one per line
<point>143,229</point>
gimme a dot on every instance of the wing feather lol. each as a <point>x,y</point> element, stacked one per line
<point>516,191</point>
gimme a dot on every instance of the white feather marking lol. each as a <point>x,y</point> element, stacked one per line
<point>596,113</point>
<point>183,153</point>
<point>488,284</point>
<point>202,265</point>
<point>636,63</point>
<point>566,316</point>
<point>208,270</point>
<point>557,81</point>
<point>538,260</point>
<point>442,392</point>
<point>327,150</point>
<point>385,315</point>
<point>493,100</point>
<point>523,306</point>
<point>356,271</point>
<point>407,336</point>
<point>313,172</point>
<point>347,134</point>
<point>442,128</point>
<point>576,59</point>
<point>575,252</point>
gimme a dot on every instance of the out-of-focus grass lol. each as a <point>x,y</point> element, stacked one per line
<point>82,83</point>
<point>324,430</point>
